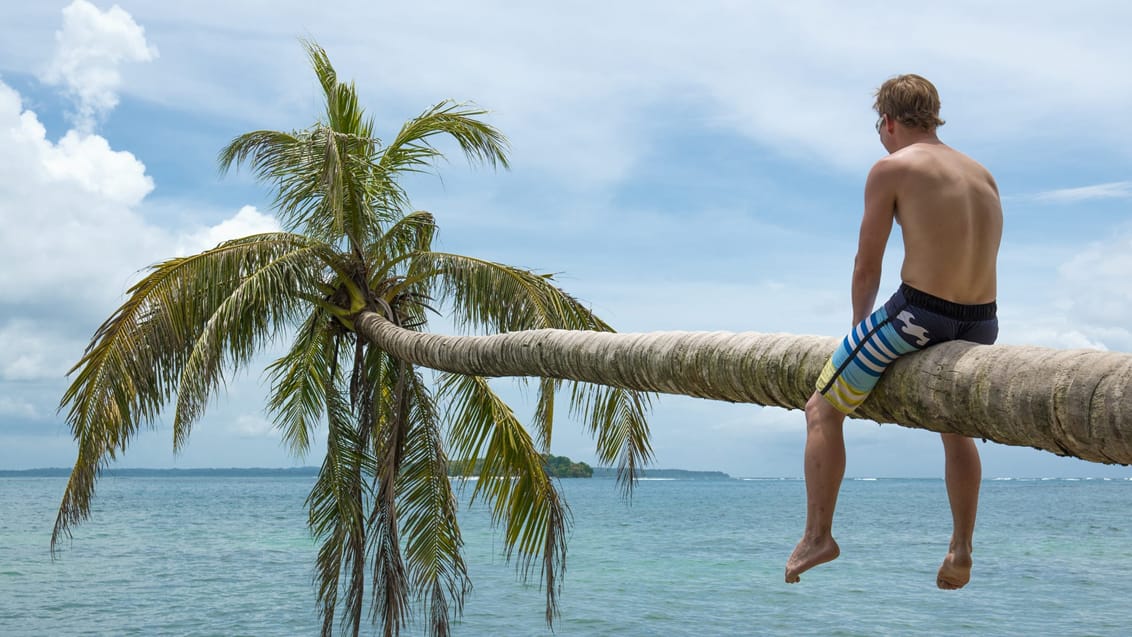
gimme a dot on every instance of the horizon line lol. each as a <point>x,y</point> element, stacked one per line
<point>313,469</point>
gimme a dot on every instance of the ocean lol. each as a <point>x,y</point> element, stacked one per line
<point>229,554</point>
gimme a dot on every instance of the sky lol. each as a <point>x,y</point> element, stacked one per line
<point>679,166</point>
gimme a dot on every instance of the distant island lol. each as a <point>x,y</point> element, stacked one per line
<point>677,474</point>
<point>563,467</point>
<point>556,466</point>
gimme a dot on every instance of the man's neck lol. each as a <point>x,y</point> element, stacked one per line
<point>909,136</point>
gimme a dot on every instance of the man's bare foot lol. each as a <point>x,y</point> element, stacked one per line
<point>808,554</point>
<point>955,571</point>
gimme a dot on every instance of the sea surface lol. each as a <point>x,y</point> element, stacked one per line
<point>227,555</point>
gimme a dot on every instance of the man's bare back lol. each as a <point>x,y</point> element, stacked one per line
<point>948,208</point>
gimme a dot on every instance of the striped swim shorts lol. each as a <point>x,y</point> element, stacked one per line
<point>908,322</point>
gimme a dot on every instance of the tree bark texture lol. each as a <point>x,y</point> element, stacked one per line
<point>1069,402</point>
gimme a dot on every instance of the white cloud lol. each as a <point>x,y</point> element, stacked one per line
<point>249,426</point>
<point>1073,296</point>
<point>75,236</point>
<point>1111,190</point>
<point>1056,333</point>
<point>76,232</point>
<point>88,51</point>
<point>87,161</point>
<point>32,350</point>
<point>247,221</point>
<point>63,206</point>
<point>18,408</point>
<point>580,96</point>
<point>1097,291</point>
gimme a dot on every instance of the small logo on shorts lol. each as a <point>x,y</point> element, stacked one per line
<point>911,329</point>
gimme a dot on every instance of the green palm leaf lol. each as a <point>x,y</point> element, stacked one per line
<point>134,362</point>
<point>297,401</point>
<point>502,298</point>
<point>393,408</point>
<point>543,422</point>
<point>272,288</point>
<point>428,511</point>
<point>400,244</point>
<point>513,479</point>
<point>617,418</point>
<point>412,150</point>
<point>338,515</point>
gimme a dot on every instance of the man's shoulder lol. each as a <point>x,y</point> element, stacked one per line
<point>929,159</point>
<point>918,154</point>
<point>890,167</point>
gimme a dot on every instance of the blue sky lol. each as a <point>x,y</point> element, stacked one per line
<point>692,166</point>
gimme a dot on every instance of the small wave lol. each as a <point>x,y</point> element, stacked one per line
<point>656,479</point>
<point>865,479</point>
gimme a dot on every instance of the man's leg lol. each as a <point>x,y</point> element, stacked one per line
<point>825,467</point>
<point>963,473</point>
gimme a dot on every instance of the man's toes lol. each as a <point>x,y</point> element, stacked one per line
<point>946,585</point>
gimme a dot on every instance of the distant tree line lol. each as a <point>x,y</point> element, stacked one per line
<point>563,467</point>
<point>556,467</point>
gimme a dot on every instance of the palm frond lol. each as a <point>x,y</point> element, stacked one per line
<point>292,162</point>
<point>501,298</point>
<point>271,287</point>
<point>396,248</point>
<point>513,479</point>
<point>428,517</point>
<point>391,423</point>
<point>343,109</point>
<point>134,361</point>
<point>320,176</point>
<point>337,515</point>
<point>543,421</point>
<point>324,176</point>
<point>323,70</point>
<point>617,418</point>
<point>297,401</point>
<point>412,150</point>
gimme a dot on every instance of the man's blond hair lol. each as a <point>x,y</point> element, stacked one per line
<point>911,100</point>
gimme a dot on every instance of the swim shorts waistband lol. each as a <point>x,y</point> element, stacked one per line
<point>956,311</point>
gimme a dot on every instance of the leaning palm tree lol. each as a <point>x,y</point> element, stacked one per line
<point>1069,402</point>
<point>382,509</point>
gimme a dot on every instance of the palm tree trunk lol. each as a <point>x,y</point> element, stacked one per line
<point>1069,402</point>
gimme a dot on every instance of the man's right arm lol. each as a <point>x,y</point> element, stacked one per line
<point>876,226</point>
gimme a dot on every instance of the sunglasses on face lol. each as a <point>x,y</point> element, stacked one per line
<point>880,122</point>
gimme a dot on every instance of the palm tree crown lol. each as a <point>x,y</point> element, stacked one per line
<point>383,508</point>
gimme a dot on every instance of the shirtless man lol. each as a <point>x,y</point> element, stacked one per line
<point>951,219</point>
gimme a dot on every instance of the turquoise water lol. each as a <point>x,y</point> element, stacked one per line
<point>192,555</point>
